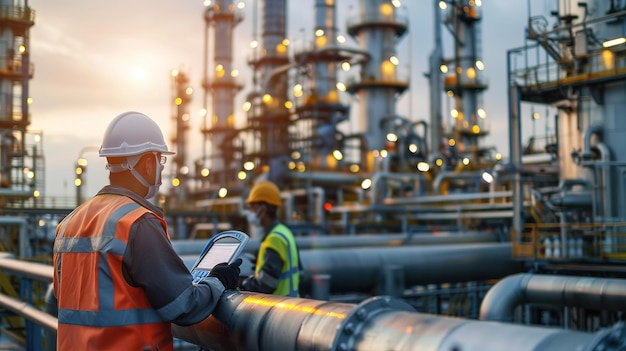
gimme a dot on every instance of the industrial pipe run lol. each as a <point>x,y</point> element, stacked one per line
<point>195,246</point>
<point>364,269</point>
<point>552,290</point>
<point>262,322</point>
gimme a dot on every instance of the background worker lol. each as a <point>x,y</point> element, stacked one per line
<point>118,281</point>
<point>277,269</point>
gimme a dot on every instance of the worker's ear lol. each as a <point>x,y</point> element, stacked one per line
<point>147,166</point>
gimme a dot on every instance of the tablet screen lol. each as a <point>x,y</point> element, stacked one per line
<point>217,254</point>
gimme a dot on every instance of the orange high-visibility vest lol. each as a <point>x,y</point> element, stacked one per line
<point>98,310</point>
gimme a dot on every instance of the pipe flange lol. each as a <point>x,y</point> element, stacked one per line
<point>350,329</point>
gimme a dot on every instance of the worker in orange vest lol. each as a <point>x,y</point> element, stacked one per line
<point>118,281</point>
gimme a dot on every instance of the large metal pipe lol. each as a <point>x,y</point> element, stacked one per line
<point>28,311</point>
<point>421,265</point>
<point>360,270</point>
<point>37,271</point>
<point>194,247</point>
<point>591,293</point>
<point>260,322</point>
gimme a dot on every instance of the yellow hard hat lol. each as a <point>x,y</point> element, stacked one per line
<point>264,191</point>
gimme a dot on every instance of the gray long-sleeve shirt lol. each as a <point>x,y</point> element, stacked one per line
<point>151,263</point>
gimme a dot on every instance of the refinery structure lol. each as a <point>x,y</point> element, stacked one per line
<point>414,234</point>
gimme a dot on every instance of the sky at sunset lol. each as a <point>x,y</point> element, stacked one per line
<point>96,59</point>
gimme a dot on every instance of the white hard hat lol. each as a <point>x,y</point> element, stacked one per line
<point>132,133</point>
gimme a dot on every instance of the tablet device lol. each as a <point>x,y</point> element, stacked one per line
<point>223,247</point>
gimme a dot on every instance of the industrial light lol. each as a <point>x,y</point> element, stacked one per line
<point>393,137</point>
<point>175,182</point>
<point>337,155</point>
<point>487,177</point>
<point>222,192</point>
<point>423,167</point>
<point>481,113</point>
<point>366,184</point>
<point>242,175</point>
<point>205,172</point>
<point>614,42</point>
<point>248,165</point>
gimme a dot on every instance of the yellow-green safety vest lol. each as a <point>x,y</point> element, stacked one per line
<point>281,240</point>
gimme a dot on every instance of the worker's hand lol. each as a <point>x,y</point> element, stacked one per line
<point>228,274</point>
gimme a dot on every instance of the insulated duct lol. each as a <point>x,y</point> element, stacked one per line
<point>262,322</point>
<point>591,293</point>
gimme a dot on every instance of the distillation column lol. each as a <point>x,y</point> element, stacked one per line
<point>378,28</point>
<point>181,99</point>
<point>268,116</point>
<point>465,82</point>
<point>15,72</point>
<point>219,124</point>
<point>317,98</point>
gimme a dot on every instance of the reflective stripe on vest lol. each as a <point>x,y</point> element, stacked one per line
<point>102,244</point>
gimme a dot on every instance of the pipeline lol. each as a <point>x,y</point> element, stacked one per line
<point>195,246</point>
<point>591,293</point>
<point>361,269</point>
<point>261,322</point>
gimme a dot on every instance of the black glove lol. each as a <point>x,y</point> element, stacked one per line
<point>228,274</point>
